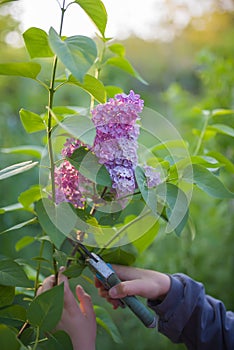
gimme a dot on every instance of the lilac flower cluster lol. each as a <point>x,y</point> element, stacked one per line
<point>67,180</point>
<point>116,139</point>
<point>70,185</point>
<point>115,146</point>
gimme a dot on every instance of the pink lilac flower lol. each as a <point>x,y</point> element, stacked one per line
<point>70,185</point>
<point>67,179</point>
<point>70,146</point>
<point>116,139</point>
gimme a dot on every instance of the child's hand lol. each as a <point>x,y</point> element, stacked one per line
<point>78,320</point>
<point>146,283</point>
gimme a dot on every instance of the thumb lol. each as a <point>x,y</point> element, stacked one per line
<point>127,288</point>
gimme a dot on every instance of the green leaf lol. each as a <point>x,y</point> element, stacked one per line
<point>12,207</point>
<point>59,340</point>
<point>13,312</point>
<point>16,169</point>
<point>19,226</point>
<point>74,271</point>
<point>91,85</point>
<point>7,294</point>
<point>222,159</point>
<point>29,196</point>
<point>221,112</point>
<point>222,129</point>
<point>77,53</point>
<point>148,194</point>
<point>36,41</point>
<point>65,111</point>
<point>22,69</point>
<point>126,66</point>
<point>126,255</point>
<point>135,226</point>
<point>113,90</point>
<point>60,257</point>
<point>5,1</point>
<point>45,310</point>
<point>95,9</point>
<point>207,161</point>
<point>208,182</point>
<point>8,339</point>
<point>44,218</point>
<point>104,320</point>
<point>169,145</point>
<point>24,242</point>
<point>32,122</point>
<point>176,203</point>
<point>34,151</point>
<point>118,49</point>
<point>28,337</point>
<point>12,274</point>
<point>87,163</point>
<point>80,127</point>
<point>209,133</point>
<point>52,219</point>
<point>119,214</point>
<point>142,243</point>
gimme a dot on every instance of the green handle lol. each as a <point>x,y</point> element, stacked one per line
<point>139,309</point>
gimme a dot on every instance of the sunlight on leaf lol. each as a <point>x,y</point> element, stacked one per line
<point>36,41</point>
<point>91,85</point>
<point>95,9</point>
<point>22,69</point>
<point>126,66</point>
<point>16,169</point>
<point>31,121</point>
<point>34,151</point>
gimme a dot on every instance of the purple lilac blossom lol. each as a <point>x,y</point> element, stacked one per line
<point>152,177</point>
<point>115,145</point>
<point>116,139</point>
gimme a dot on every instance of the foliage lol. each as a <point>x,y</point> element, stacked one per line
<point>79,62</point>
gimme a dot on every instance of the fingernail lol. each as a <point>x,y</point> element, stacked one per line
<point>113,292</point>
<point>61,269</point>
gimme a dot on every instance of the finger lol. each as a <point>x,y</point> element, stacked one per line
<point>97,283</point>
<point>86,305</point>
<point>127,288</point>
<point>126,273</point>
<point>39,290</point>
<point>115,303</point>
<point>70,303</point>
<point>62,278</point>
<point>67,291</point>
<point>47,284</point>
<point>103,292</point>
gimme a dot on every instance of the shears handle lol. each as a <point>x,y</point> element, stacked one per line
<point>137,307</point>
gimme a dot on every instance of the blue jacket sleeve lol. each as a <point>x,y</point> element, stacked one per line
<point>187,315</point>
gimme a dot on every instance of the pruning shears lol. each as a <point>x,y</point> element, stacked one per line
<point>105,273</point>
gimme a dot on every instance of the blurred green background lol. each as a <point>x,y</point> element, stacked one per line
<point>192,71</point>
